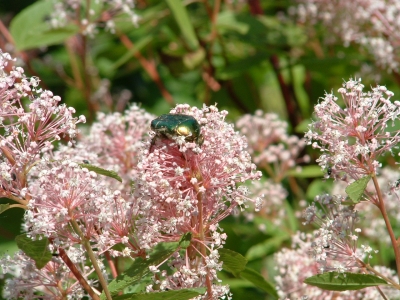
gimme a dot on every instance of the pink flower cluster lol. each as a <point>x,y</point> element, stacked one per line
<point>184,187</point>
<point>270,144</point>
<point>276,152</point>
<point>169,187</point>
<point>115,142</point>
<point>295,264</point>
<point>180,182</point>
<point>31,120</point>
<point>53,281</point>
<point>352,138</point>
<point>373,24</point>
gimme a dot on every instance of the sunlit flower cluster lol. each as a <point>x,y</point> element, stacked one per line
<point>186,187</point>
<point>372,24</point>
<point>177,175</point>
<point>115,142</point>
<point>31,120</point>
<point>65,194</point>
<point>170,187</point>
<point>352,138</point>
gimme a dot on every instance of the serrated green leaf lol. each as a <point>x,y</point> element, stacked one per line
<point>182,18</point>
<point>183,294</point>
<point>134,274</point>
<point>232,261</point>
<point>4,207</point>
<point>259,281</point>
<point>184,242</point>
<point>101,171</point>
<point>30,30</point>
<point>356,189</point>
<point>37,250</point>
<point>306,172</point>
<point>334,281</point>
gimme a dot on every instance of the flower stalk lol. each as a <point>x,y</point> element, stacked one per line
<point>92,257</point>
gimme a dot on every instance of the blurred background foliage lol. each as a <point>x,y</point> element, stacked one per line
<point>242,55</point>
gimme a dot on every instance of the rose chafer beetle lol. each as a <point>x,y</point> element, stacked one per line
<point>169,126</point>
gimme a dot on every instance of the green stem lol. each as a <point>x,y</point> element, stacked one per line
<point>92,257</point>
<point>77,274</point>
<point>372,270</point>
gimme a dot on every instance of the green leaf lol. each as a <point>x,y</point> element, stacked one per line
<point>138,46</point>
<point>334,281</point>
<point>258,280</point>
<point>357,188</point>
<point>182,18</point>
<point>292,220</point>
<point>184,242</point>
<point>193,59</point>
<point>232,261</point>
<point>4,207</point>
<point>317,187</point>
<point>183,294</point>
<point>30,30</point>
<point>101,171</point>
<point>235,68</point>
<point>37,250</point>
<point>137,271</point>
<point>227,21</point>
<point>306,172</point>
<point>267,247</point>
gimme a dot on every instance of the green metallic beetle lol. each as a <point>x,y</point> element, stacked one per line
<point>169,126</point>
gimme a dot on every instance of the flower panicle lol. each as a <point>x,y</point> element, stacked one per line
<point>29,130</point>
<point>353,137</point>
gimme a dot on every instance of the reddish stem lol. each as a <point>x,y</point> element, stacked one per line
<point>77,274</point>
<point>150,68</point>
